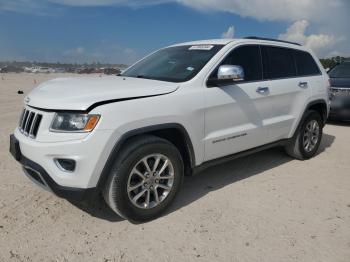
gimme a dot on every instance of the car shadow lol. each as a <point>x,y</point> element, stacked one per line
<point>98,209</point>
<point>211,179</point>
<point>217,177</point>
<point>327,141</point>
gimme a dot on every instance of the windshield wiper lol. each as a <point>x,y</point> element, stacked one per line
<point>144,77</point>
<point>141,76</point>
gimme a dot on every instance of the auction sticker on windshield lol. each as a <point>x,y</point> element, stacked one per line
<point>201,47</point>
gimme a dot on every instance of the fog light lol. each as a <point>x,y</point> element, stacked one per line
<point>67,165</point>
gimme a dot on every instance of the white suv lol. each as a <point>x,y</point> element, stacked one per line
<point>132,137</point>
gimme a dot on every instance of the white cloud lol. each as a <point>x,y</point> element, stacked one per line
<point>317,42</point>
<point>134,3</point>
<point>130,55</point>
<point>291,10</point>
<point>270,9</point>
<point>75,52</point>
<point>229,33</point>
<point>107,52</point>
<point>24,6</point>
<point>129,51</point>
<point>45,7</point>
<point>329,19</point>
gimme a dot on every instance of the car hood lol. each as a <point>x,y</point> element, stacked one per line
<point>340,82</point>
<point>84,93</point>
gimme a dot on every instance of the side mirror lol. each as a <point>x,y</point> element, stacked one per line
<point>231,72</point>
<point>227,74</point>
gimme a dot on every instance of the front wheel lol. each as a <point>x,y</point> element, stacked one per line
<point>145,178</point>
<point>307,139</point>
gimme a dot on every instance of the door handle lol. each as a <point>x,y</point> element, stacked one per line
<point>263,90</point>
<point>303,84</point>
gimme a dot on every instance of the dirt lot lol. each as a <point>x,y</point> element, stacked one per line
<point>265,207</point>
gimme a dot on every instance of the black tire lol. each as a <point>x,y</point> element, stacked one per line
<point>115,191</point>
<point>296,148</point>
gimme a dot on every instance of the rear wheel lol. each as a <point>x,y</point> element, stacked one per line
<point>144,179</point>
<point>307,138</point>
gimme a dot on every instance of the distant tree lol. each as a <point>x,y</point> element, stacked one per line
<point>332,61</point>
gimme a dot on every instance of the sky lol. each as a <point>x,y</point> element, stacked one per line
<point>123,31</point>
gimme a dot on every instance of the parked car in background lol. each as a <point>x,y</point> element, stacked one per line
<point>28,69</point>
<point>340,91</point>
<point>111,71</point>
<point>85,70</point>
<point>38,69</point>
<point>32,69</point>
<point>11,69</point>
<point>59,70</point>
<point>45,70</point>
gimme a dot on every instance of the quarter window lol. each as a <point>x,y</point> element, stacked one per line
<point>306,65</point>
<point>278,62</point>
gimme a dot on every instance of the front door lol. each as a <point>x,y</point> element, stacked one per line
<point>235,113</point>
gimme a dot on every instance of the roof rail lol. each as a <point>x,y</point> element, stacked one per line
<point>270,39</point>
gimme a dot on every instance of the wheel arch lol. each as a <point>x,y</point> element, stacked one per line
<point>173,132</point>
<point>319,105</point>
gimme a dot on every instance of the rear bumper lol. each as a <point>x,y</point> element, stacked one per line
<point>339,112</point>
<point>338,115</point>
<point>40,177</point>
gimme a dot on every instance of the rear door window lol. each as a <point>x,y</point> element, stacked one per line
<point>278,62</point>
<point>306,65</point>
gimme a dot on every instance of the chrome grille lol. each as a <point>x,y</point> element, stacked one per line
<point>29,123</point>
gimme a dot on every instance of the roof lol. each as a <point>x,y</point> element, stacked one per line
<point>237,40</point>
<point>208,42</point>
<point>272,39</point>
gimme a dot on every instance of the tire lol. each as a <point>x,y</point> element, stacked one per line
<point>123,177</point>
<point>297,147</point>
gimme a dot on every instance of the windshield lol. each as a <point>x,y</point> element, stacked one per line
<point>340,71</point>
<point>174,64</point>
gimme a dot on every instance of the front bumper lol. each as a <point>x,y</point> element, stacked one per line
<point>90,155</point>
<point>39,176</point>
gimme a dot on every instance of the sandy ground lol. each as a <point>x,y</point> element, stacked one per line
<point>265,207</point>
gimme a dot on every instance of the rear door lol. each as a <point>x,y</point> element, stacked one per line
<point>288,92</point>
<point>235,113</point>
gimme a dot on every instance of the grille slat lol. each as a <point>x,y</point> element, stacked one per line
<point>25,116</point>
<point>21,118</point>
<point>29,123</point>
<point>36,125</point>
<point>35,118</point>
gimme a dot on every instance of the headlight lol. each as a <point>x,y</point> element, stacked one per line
<point>70,122</point>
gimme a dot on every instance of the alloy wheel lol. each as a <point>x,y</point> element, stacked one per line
<point>311,135</point>
<point>150,181</point>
